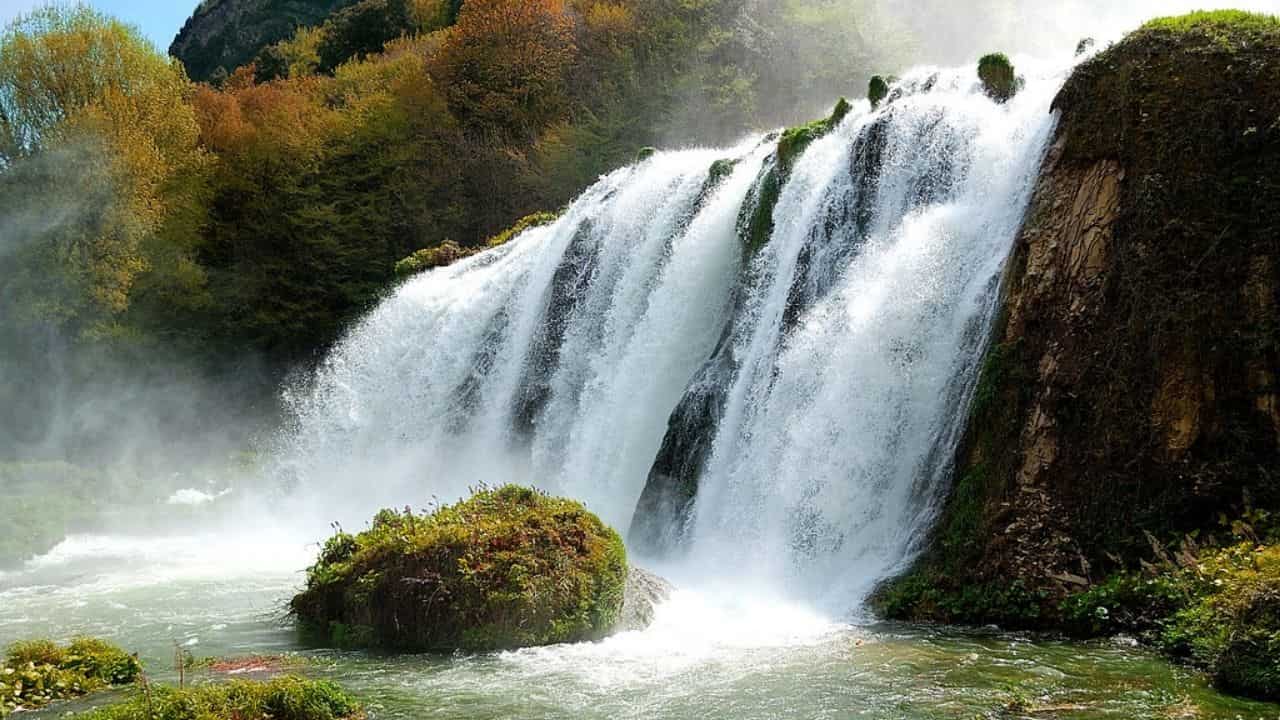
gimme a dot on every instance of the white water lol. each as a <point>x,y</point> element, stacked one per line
<point>557,360</point>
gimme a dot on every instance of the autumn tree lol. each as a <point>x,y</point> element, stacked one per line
<point>503,66</point>
<point>97,136</point>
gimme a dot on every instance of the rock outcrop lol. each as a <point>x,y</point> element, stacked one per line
<point>644,592</point>
<point>1130,389</point>
<point>225,34</point>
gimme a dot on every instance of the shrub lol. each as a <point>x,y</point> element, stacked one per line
<point>286,698</point>
<point>1221,612</point>
<point>997,76</point>
<point>35,673</point>
<point>508,568</point>
<point>878,91</point>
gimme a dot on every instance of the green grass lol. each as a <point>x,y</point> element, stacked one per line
<point>510,567</point>
<point>1218,609</point>
<point>35,673</point>
<point>286,698</point>
<point>1217,20</point>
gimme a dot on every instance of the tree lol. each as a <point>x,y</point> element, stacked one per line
<point>97,123</point>
<point>503,67</point>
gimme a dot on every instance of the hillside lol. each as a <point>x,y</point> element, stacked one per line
<point>225,34</point>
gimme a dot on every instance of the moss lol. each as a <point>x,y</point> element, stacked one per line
<point>877,91</point>
<point>446,253</point>
<point>755,223</point>
<point>998,77</point>
<point>534,220</point>
<point>1219,610</point>
<point>1232,27</point>
<point>720,170</point>
<point>507,568</point>
<point>35,673</point>
<point>286,698</point>
<point>450,252</point>
<point>645,153</point>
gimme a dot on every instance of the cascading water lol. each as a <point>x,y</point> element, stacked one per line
<point>810,389</point>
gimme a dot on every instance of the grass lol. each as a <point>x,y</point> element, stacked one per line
<point>1216,21</point>
<point>286,698</point>
<point>510,567</point>
<point>1218,609</point>
<point>35,673</point>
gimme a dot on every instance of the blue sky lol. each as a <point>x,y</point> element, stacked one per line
<point>158,19</point>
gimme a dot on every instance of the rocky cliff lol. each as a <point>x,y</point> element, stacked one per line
<point>229,33</point>
<point>1130,395</point>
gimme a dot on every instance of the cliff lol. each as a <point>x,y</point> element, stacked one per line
<point>229,33</point>
<point>1129,397</point>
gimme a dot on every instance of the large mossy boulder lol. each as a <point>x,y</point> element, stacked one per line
<point>508,568</point>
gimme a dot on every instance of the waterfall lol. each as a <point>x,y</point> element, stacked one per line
<point>779,414</point>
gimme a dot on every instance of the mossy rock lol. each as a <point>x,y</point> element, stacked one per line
<point>645,153</point>
<point>35,673</point>
<point>450,252</point>
<point>998,77</point>
<point>877,91</point>
<point>285,698</point>
<point>508,568</point>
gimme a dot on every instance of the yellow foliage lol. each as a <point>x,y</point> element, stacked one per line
<point>74,79</point>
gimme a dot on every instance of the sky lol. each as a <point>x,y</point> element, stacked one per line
<point>158,19</point>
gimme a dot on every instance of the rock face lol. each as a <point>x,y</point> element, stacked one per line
<point>643,594</point>
<point>1131,385</point>
<point>229,33</point>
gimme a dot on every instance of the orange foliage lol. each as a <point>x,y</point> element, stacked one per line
<point>503,66</point>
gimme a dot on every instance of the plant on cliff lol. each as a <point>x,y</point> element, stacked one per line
<point>285,698</point>
<point>755,223</point>
<point>998,77</point>
<point>877,91</point>
<point>450,252</point>
<point>35,673</point>
<point>507,568</point>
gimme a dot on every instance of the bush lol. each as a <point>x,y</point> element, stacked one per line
<point>1221,612</point>
<point>286,698</point>
<point>507,568</point>
<point>878,91</point>
<point>35,673</point>
<point>997,76</point>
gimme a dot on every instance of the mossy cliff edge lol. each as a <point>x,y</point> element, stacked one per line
<point>1130,392</point>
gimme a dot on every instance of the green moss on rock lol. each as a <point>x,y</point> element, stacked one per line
<point>998,77</point>
<point>755,224</point>
<point>285,698</point>
<point>35,673</point>
<point>507,568</point>
<point>877,91</point>
<point>450,252</point>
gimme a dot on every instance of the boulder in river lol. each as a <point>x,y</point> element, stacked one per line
<point>507,568</point>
